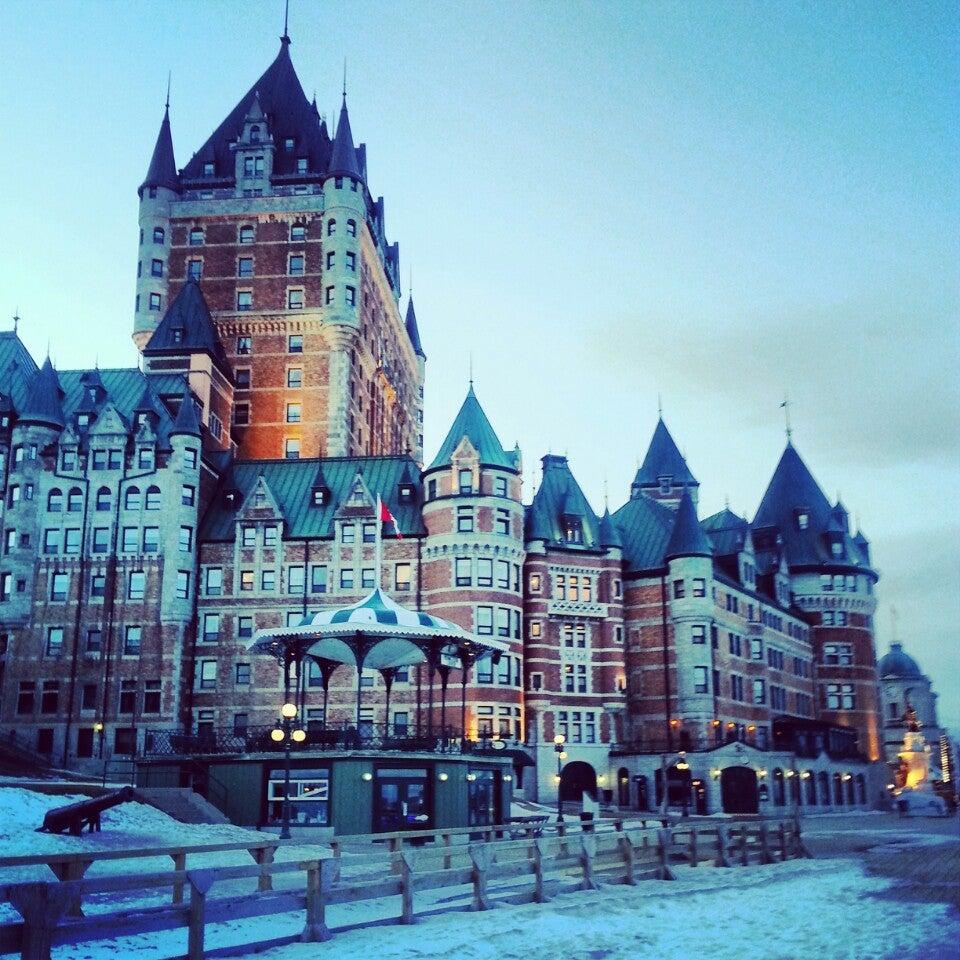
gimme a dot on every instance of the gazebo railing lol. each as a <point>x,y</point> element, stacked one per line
<point>332,737</point>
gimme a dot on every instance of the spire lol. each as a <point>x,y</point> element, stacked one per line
<point>162,171</point>
<point>413,332</point>
<point>186,422</point>
<point>44,399</point>
<point>663,459</point>
<point>343,162</point>
<point>609,534</point>
<point>285,39</point>
<point>471,422</point>
<point>688,538</point>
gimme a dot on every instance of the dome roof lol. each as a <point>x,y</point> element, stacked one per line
<point>898,664</point>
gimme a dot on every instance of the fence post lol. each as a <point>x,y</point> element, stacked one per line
<point>764,844</point>
<point>71,870</point>
<point>407,864</point>
<point>562,832</point>
<point>264,857</point>
<point>41,905</point>
<point>664,842</point>
<point>395,845</point>
<point>626,849</point>
<point>179,864</point>
<point>799,847</point>
<point>744,850</point>
<point>200,883</point>
<point>782,840</point>
<point>692,854</point>
<point>723,846</point>
<point>539,889</point>
<point>316,929</point>
<point>480,855</point>
<point>588,851</point>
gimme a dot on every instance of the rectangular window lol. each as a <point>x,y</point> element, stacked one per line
<point>54,641</point>
<point>156,268</point>
<point>465,519</point>
<point>242,675</point>
<point>155,302</point>
<point>270,535</point>
<point>699,587</point>
<point>502,523</point>
<point>484,572</point>
<point>268,580</point>
<point>291,448</point>
<point>760,691</point>
<point>484,618</point>
<point>151,696</point>
<point>208,674</point>
<point>183,584</point>
<point>296,265</point>
<point>401,577</point>
<point>132,635</point>
<point>698,634</point>
<point>346,579</point>
<point>298,233</point>
<point>350,296</point>
<point>351,260</point>
<point>137,586</point>
<point>701,682</point>
<point>59,586</point>
<point>88,698</point>
<point>678,589</point>
<point>213,581</point>
<point>151,539</point>
<point>128,696</point>
<point>294,378</point>
<point>51,541</point>
<point>94,642</point>
<point>25,697</point>
<point>246,581</point>
<point>296,579</point>
<point>367,578</point>
<point>244,301</point>
<point>71,541</point>
<point>293,412</point>
<point>318,579</point>
<point>185,541</point>
<point>245,627</point>
<point>295,299</point>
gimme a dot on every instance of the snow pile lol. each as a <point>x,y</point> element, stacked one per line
<point>128,826</point>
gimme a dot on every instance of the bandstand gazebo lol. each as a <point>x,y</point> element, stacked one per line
<point>377,633</point>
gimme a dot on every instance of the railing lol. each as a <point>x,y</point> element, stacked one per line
<point>652,745</point>
<point>170,743</point>
<point>572,858</point>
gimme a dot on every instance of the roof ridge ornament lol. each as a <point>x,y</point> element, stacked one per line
<point>785,407</point>
<point>285,39</point>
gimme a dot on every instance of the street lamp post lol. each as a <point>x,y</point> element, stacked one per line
<point>286,732</point>
<point>558,741</point>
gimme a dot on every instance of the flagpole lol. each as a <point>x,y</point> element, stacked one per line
<point>378,543</point>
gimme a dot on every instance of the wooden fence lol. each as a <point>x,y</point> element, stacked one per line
<point>559,860</point>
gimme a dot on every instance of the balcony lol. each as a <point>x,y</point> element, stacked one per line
<point>577,608</point>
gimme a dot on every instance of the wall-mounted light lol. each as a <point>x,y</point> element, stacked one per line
<point>471,777</point>
<point>562,754</point>
<point>761,773</point>
<point>507,778</point>
<point>366,775</point>
<point>805,775</point>
<point>848,776</point>
<point>715,773</point>
<point>751,728</point>
<point>716,723</point>
<point>556,778</point>
<point>288,711</point>
<point>98,727</point>
<point>443,777</point>
<point>791,773</point>
<point>601,777</point>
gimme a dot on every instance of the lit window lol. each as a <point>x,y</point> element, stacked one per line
<point>208,169</point>
<point>301,164</point>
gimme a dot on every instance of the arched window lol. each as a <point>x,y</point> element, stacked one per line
<point>103,498</point>
<point>779,795</point>
<point>351,228</point>
<point>55,500</point>
<point>153,498</point>
<point>861,789</point>
<point>159,235</point>
<point>811,782</point>
<point>838,789</point>
<point>254,134</point>
<point>132,499</point>
<point>824,784</point>
<point>331,227</point>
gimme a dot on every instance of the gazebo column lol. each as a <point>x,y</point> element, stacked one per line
<point>466,662</point>
<point>444,672</point>
<point>327,669</point>
<point>388,674</point>
<point>433,657</point>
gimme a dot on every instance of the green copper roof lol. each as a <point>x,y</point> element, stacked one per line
<point>187,327</point>
<point>44,400</point>
<point>187,422</point>
<point>727,532</point>
<point>663,459</point>
<point>609,533</point>
<point>560,495</point>
<point>645,527</point>
<point>472,422</point>
<point>687,538</point>
<point>291,482</point>
<point>17,368</point>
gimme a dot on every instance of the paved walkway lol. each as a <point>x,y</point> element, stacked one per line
<point>922,853</point>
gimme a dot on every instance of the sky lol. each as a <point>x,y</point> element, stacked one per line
<point>717,204</point>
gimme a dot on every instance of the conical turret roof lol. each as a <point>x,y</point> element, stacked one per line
<point>663,459</point>
<point>413,331</point>
<point>187,327</point>
<point>472,422</point>
<point>44,399</point>
<point>609,534</point>
<point>162,171</point>
<point>343,162</point>
<point>688,538</point>
<point>186,423</point>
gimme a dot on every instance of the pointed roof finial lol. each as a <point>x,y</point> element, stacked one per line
<point>169,75</point>
<point>344,79</point>
<point>659,406</point>
<point>785,407</point>
<point>16,319</point>
<point>286,19</point>
<point>471,368</point>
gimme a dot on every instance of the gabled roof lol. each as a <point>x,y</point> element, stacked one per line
<point>289,115</point>
<point>559,495</point>
<point>17,368</point>
<point>687,539</point>
<point>44,400</point>
<point>162,171</point>
<point>187,327</point>
<point>472,422</point>
<point>187,424</point>
<point>343,161</point>
<point>793,490</point>
<point>292,483</point>
<point>645,527</point>
<point>727,532</point>
<point>663,459</point>
<point>412,330</point>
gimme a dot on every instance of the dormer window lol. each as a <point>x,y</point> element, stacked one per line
<point>178,334</point>
<point>259,499</point>
<point>572,529</point>
<point>666,484</point>
<point>465,481</point>
<point>254,134</point>
<point>301,164</point>
<point>208,170</point>
<point>288,144</point>
<point>405,492</point>
<point>83,420</point>
<point>803,519</point>
<point>836,548</point>
<point>321,496</point>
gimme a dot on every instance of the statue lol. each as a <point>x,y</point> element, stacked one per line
<point>914,794</point>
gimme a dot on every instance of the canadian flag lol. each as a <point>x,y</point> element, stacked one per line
<point>387,517</point>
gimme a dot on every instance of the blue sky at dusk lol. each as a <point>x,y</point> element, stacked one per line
<point>715,202</point>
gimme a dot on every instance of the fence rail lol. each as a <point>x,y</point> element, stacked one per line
<point>561,859</point>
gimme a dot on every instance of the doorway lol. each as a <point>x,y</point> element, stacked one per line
<point>401,800</point>
<point>576,779</point>
<point>738,790</point>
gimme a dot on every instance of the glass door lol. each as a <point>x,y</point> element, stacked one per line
<point>401,800</point>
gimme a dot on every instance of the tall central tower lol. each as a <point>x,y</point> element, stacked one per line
<point>273,217</point>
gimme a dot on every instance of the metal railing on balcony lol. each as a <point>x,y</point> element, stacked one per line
<point>226,741</point>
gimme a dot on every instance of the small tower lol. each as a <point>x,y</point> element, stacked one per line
<point>160,186</point>
<point>689,559</point>
<point>413,333</point>
<point>664,474</point>
<point>253,153</point>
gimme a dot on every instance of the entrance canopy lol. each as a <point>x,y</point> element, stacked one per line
<point>377,633</point>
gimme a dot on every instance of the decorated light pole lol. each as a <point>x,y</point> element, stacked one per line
<point>287,732</point>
